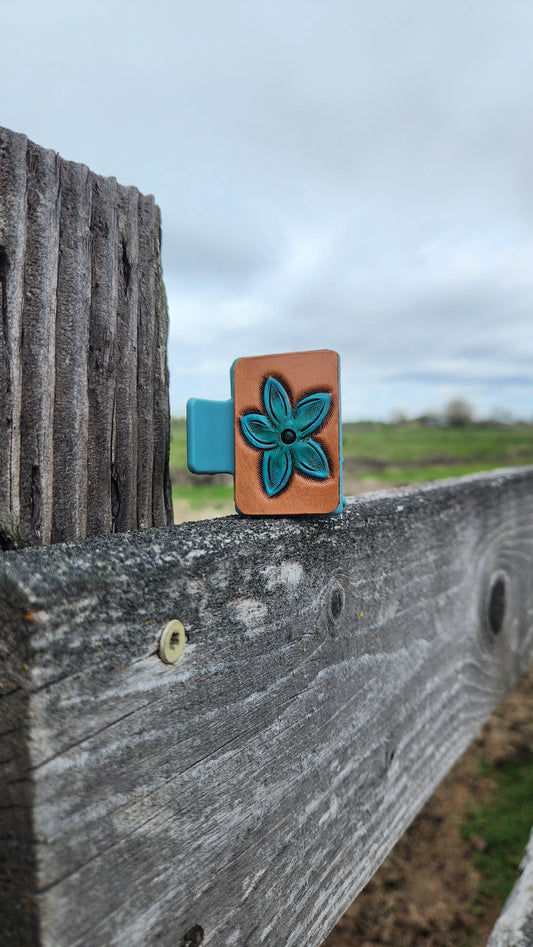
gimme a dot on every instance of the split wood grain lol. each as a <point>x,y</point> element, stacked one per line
<point>335,669</point>
<point>84,411</point>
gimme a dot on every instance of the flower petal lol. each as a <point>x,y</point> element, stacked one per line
<point>277,404</point>
<point>259,431</point>
<point>310,459</point>
<point>310,412</point>
<point>277,468</point>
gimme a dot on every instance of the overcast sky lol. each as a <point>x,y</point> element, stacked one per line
<point>346,174</point>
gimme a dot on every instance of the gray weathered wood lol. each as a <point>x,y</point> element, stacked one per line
<point>84,413</point>
<point>334,671</point>
<point>514,927</point>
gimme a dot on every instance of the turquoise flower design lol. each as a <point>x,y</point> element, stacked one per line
<point>284,436</point>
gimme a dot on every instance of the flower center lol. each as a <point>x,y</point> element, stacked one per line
<point>288,436</point>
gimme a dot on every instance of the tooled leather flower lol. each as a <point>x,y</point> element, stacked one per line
<point>284,436</point>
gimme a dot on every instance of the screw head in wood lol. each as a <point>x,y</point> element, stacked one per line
<point>172,642</point>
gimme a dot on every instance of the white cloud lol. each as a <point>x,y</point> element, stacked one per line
<point>349,175</point>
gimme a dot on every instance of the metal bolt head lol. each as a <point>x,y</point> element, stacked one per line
<point>172,642</point>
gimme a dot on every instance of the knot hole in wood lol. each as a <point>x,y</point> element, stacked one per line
<point>496,606</point>
<point>193,937</point>
<point>336,604</point>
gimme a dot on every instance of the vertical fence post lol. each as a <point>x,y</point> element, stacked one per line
<point>84,411</point>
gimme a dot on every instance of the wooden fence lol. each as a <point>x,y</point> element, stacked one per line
<point>334,670</point>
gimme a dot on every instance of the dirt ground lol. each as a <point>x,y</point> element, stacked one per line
<point>421,895</point>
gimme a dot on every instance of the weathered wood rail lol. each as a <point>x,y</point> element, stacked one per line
<point>335,669</point>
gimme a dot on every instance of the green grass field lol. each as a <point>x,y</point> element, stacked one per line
<point>504,823</point>
<point>398,445</point>
<point>377,455</point>
<point>178,444</point>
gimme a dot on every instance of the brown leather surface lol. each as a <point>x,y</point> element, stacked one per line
<point>301,374</point>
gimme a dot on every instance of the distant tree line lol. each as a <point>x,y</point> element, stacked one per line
<point>457,413</point>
